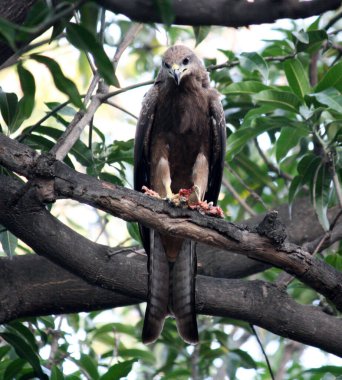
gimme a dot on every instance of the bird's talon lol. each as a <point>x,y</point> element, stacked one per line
<point>150,192</point>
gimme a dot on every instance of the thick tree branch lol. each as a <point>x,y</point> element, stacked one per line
<point>42,288</point>
<point>221,12</point>
<point>218,12</point>
<point>132,206</point>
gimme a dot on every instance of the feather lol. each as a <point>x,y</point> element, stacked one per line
<point>180,142</point>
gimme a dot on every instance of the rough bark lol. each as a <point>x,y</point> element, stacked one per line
<point>125,277</point>
<point>132,206</point>
<point>221,12</point>
<point>218,12</point>
<point>16,12</point>
<point>33,286</point>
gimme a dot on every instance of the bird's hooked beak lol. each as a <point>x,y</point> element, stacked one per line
<point>176,73</point>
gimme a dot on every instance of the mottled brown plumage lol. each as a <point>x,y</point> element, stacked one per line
<point>180,142</point>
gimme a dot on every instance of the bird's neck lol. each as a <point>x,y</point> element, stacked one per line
<point>187,85</point>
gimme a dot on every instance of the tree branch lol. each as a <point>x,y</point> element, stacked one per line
<point>133,206</point>
<point>42,288</point>
<point>221,12</point>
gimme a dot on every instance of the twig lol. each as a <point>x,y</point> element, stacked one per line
<point>123,45</point>
<point>270,164</point>
<point>285,279</point>
<point>333,20</point>
<point>104,97</point>
<point>313,73</point>
<point>14,58</point>
<point>195,359</point>
<point>229,64</point>
<point>83,118</point>
<point>91,64</point>
<point>242,202</point>
<point>115,105</point>
<point>244,184</point>
<point>94,82</point>
<point>289,350</point>
<point>337,188</point>
<point>74,130</point>
<point>263,351</point>
<point>23,136</point>
<point>56,334</point>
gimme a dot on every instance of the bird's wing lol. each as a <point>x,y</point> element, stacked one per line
<point>218,149</point>
<point>141,147</point>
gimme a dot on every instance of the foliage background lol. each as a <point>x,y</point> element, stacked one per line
<point>283,105</point>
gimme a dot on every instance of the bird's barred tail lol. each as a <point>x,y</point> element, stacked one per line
<point>182,292</point>
<point>158,290</point>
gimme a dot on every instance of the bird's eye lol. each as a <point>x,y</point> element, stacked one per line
<point>167,65</point>
<point>186,61</point>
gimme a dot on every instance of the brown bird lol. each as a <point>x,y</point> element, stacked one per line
<point>179,143</point>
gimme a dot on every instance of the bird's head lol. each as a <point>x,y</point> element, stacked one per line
<point>179,62</point>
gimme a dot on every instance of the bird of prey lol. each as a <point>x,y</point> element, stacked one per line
<point>179,144</point>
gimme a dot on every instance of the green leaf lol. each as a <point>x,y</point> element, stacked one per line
<point>24,351</point>
<point>307,166</point>
<point>37,14</point>
<point>279,99</point>
<point>178,374</point>
<point>313,41</point>
<point>240,138</point>
<point>201,32</point>
<point>255,174</point>
<point>56,374</point>
<point>8,32</point>
<point>81,38</point>
<point>111,178</point>
<point>301,36</point>
<point>121,151</point>
<point>115,327</point>
<point>255,113</point>
<point>87,363</point>
<point>315,24</point>
<point>63,83</point>
<point>297,77</point>
<point>246,361</point>
<point>321,194</point>
<point>9,243</point>
<point>57,30</point>
<point>133,230</point>
<point>89,16</point>
<point>118,371</point>
<point>289,137</point>
<point>28,87</point>
<point>25,332</point>
<point>334,260</point>
<point>296,185</point>
<point>166,11</point>
<point>8,106</point>
<point>334,370</point>
<point>254,62</point>
<point>144,355</point>
<point>331,98</point>
<point>256,127</point>
<point>333,78</point>
<point>13,369</point>
<point>80,151</point>
<point>228,53</point>
<point>247,87</point>
<point>3,351</point>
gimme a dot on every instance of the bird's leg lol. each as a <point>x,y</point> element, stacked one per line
<point>161,181</point>
<point>200,174</point>
<point>200,178</point>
